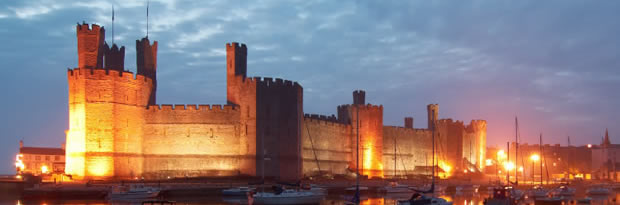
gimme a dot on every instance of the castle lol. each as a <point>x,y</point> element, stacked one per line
<point>117,129</point>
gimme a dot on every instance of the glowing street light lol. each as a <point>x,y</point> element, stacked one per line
<point>44,169</point>
<point>535,157</point>
<point>489,162</point>
<point>501,154</point>
<point>521,169</point>
<point>508,166</point>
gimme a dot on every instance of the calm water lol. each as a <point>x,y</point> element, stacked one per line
<point>458,199</point>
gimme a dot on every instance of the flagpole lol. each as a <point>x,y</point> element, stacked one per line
<point>112,25</point>
<point>147,19</point>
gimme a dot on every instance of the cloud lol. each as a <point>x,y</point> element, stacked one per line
<point>203,33</point>
<point>31,11</point>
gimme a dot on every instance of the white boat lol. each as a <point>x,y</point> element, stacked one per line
<point>395,187</point>
<point>424,200</point>
<point>598,190</point>
<point>537,192</point>
<point>564,191</point>
<point>467,188</point>
<point>314,188</point>
<point>132,192</point>
<point>288,196</point>
<point>237,191</point>
<point>352,188</point>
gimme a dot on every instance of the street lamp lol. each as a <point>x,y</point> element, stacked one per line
<point>534,158</point>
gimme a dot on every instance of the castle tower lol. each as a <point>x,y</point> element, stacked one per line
<point>359,97</point>
<point>409,122</point>
<point>370,134</point>
<point>236,70</point>
<point>114,58</point>
<point>146,60</point>
<point>90,45</point>
<point>433,114</point>
<point>106,112</point>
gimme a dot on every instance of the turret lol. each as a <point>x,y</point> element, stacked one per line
<point>146,60</point>
<point>433,115</point>
<point>359,97</point>
<point>409,122</point>
<point>236,70</point>
<point>90,45</point>
<point>114,58</point>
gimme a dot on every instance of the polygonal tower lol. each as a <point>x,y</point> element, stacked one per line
<point>368,119</point>
<point>433,115</point>
<point>236,70</point>
<point>106,115</point>
<point>146,61</point>
<point>90,45</point>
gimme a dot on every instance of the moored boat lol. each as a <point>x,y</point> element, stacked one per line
<point>132,192</point>
<point>537,192</point>
<point>237,191</point>
<point>598,190</point>
<point>287,196</point>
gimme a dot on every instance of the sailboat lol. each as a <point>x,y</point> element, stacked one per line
<point>418,198</point>
<point>539,191</point>
<point>508,195</point>
<point>281,195</point>
<point>394,187</point>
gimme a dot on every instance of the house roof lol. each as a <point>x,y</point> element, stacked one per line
<point>42,150</point>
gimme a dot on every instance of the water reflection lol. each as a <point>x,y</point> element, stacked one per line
<point>457,199</point>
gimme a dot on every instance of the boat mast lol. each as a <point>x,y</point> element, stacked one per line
<point>394,156</point>
<point>433,172</point>
<point>508,159</point>
<point>541,160</point>
<point>516,151</point>
<point>357,150</point>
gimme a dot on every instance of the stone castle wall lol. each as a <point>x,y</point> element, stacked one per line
<point>326,144</point>
<point>413,149</point>
<point>191,140</point>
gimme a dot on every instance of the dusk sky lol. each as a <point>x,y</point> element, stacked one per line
<point>554,64</point>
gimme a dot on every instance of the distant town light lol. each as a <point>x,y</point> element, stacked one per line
<point>489,162</point>
<point>509,166</point>
<point>44,169</point>
<point>589,145</point>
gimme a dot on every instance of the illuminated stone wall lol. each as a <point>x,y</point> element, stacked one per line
<point>326,144</point>
<point>413,149</point>
<point>105,122</point>
<point>192,141</point>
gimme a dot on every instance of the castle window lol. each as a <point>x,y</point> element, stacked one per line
<point>56,158</point>
<point>37,158</point>
<point>47,158</point>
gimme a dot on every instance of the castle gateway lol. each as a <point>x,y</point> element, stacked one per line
<point>117,129</point>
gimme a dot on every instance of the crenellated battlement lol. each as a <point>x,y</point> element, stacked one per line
<point>89,29</point>
<point>331,118</point>
<point>409,130</point>
<point>271,82</point>
<point>101,74</point>
<point>362,107</point>
<point>236,46</point>
<point>324,120</point>
<point>193,107</point>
